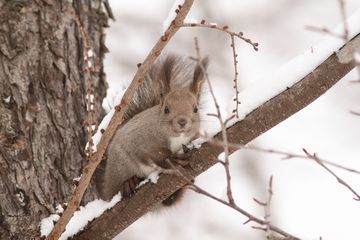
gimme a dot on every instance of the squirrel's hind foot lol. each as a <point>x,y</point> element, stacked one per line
<point>128,188</point>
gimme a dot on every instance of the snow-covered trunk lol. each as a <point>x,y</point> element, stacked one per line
<point>42,106</point>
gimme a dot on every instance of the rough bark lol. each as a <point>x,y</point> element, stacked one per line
<point>42,106</point>
<point>253,125</point>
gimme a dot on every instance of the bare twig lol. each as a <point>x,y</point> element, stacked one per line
<point>225,29</point>
<point>341,181</point>
<point>291,155</point>
<point>286,155</point>
<point>266,206</point>
<point>344,17</point>
<point>231,202</point>
<point>355,113</point>
<point>355,81</point>
<point>236,87</point>
<point>232,35</point>
<point>324,30</point>
<point>344,35</point>
<point>116,120</point>
<point>222,124</point>
<point>250,217</point>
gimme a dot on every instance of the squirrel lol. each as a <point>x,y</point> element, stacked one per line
<point>161,118</point>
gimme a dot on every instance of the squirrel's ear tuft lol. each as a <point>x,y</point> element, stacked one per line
<point>166,73</point>
<point>199,76</point>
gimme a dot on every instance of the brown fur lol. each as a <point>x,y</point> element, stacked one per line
<point>161,117</point>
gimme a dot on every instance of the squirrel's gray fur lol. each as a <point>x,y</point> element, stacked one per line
<point>161,117</point>
<point>179,68</point>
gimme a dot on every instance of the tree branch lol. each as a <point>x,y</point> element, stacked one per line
<point>253,125</point>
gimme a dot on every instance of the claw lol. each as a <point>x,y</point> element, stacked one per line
<point>128,188</point>
<point>185,148</point>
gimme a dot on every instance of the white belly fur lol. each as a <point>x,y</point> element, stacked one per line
<point>177,142</point>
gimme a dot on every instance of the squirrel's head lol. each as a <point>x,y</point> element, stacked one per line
<point>179,114</point>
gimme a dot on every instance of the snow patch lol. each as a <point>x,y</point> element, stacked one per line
<point>90,97</point>
<point>221,156</point>
<point>21,197</point>
<point>153,178</point>
<point>80,218</point>
<point>7,99</point>
<point>47,224</point>
<point>90,53</point>
<point>198,142</point>
<point>77,179</point>
<point>59,209</point>
<point>105,122</point>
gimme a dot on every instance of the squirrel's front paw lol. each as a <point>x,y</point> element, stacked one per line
<point>182,159</point>
<point>128,188</point>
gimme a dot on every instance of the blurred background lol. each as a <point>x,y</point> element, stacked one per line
<point>307,201</point>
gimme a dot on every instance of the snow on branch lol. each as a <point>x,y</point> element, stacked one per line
<point>275,109</point>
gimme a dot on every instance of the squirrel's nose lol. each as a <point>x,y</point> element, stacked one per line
<point>182,122</point>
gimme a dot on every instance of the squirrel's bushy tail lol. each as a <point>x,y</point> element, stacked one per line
<point>173,70</point>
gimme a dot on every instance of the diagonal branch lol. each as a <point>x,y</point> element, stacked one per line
<point>253,125</point>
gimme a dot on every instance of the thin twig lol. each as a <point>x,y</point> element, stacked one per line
<point>341,181</point>
<point>267,206</point>
<point>355,113</point>
<point>231,202</point>
<point>250,217</point>
<point>344,35</point>
<point>291,155</point>
<point>236,87</point>
<point>344,17</point>
<point>286,155</point>
<point>232,35</point>
<point>222,124</point>
<point>324,30</point>
<point>225,29</point>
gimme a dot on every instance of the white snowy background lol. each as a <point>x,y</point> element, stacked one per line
<point>307,201</point>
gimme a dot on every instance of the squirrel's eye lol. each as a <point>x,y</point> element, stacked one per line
<point>166,110</point>
<point>195,110</point>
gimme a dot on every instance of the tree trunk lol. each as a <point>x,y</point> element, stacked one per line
<point>42,106</point>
